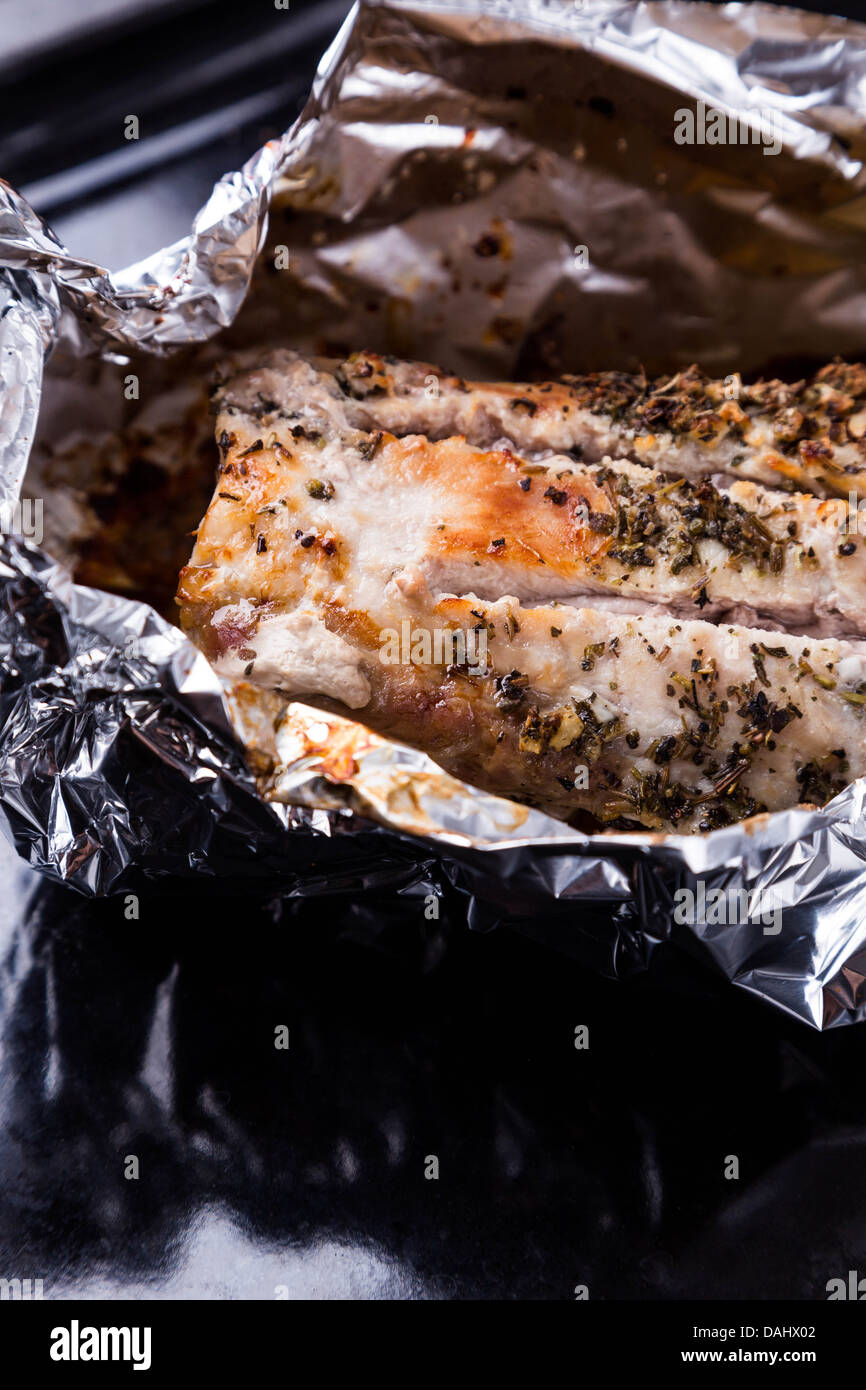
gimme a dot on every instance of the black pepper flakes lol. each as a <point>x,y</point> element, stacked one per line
<point>510,689</point>
<point>665,750</point>
<point>368,448</point>
<point>487,245</point>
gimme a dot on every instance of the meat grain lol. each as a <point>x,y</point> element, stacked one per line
<point>538,625</point>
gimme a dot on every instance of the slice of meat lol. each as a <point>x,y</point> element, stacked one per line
<point>561,529</point>
<point>811,435</point>
<point>372,574</point>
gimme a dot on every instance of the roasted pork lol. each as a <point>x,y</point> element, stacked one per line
<point>810,436</point>
<point>528,620</point>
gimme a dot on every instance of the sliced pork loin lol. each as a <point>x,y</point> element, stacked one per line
<point>476,604</point>
<point>561,529</point>
<point>809,436</point>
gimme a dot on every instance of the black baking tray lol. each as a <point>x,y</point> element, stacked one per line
<point>264,1169</point>
<point>145,1026</point>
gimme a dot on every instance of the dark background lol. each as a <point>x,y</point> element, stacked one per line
<point>210,81</point>
<point>304,1169</point>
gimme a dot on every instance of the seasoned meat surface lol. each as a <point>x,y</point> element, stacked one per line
<point>809,436</point>
<point>537,624</point>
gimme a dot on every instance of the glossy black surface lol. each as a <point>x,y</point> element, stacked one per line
<point>304,1169</point>
<point>209,82</point>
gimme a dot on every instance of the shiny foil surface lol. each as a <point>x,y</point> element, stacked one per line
<point>495,187</point>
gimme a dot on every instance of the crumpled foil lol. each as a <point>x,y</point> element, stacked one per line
<point>494,186</point>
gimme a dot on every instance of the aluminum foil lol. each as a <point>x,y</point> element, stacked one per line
<point>495,186</point>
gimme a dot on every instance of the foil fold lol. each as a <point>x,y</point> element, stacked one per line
<point>434,199</point>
